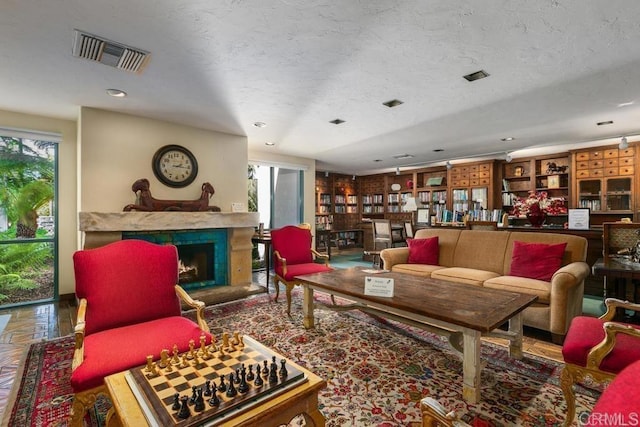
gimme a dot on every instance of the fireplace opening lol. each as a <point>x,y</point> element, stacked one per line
<point>196,266</point>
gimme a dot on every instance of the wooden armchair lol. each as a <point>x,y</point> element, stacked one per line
<point>597,348</point>
<point>294,256</point>
<point>435,415</point>
<point>129,308</point>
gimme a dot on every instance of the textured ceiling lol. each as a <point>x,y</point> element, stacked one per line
<point>556,68</point>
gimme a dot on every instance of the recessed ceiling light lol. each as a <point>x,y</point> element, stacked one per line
<point>608,122</point>
<point>377,160</point>
<point>260,124</point>
<point>476,76</point>
<point>437,150</point>
<point>626,104</point>
<point>269,144</point>
<point>509,138</point>
<point>117,93</point>
<point>337,121</point>
<point>403,156</point>
<point>393,103</point>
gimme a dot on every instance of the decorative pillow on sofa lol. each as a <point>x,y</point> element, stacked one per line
<point>423,251</point>
<point>536,260</point>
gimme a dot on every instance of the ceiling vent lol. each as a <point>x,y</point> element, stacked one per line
<point>109,53</point>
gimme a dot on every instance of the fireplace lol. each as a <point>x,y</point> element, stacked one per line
<point>225,235</point>
<point>202,254</point>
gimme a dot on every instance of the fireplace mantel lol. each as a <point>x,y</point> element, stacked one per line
<point>153,221</point>
<point>101,228</point>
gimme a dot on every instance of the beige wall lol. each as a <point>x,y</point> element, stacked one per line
<point>116,149</point>
<point>67,213</point>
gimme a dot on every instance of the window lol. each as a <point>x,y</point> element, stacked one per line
<point>277,195</point>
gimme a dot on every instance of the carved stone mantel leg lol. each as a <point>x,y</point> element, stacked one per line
<point>240,248</point>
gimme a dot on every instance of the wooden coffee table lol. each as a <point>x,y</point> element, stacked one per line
<point>462,312</point>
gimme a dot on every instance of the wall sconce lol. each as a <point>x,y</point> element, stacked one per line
<point>397,171</point>
<point>353,178</point>
<point>624,144</point>
<point>326,174</point>
<point>449,165</point>
<point>508,158</point>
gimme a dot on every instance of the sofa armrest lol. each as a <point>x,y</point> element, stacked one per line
<point>567,291</point>
<point>393,256</point>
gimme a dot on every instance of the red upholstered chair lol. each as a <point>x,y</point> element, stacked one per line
<point>598,348</point>
<point>620,400</point>
<point>294,256</point>
<point>129,307</point>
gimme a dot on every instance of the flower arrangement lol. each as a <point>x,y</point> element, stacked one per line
<point>538,202</point>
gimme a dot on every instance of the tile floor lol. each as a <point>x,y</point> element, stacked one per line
<point>34,323</point>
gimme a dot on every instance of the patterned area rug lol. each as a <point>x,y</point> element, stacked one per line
<point>377,371</point>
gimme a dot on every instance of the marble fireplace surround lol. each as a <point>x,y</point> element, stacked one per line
<point>100,228</point>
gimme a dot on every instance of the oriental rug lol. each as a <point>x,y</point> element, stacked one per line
<point>377,371</point>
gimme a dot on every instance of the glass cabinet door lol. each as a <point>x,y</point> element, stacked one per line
<point>618,194</point>
<point>460,200</point>
<point>589,194</point>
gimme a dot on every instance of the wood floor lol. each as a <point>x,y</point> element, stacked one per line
<point>34,323</point>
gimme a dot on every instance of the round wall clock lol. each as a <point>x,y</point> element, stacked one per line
<point>174,166</point>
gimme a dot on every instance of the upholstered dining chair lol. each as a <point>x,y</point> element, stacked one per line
<point>128,308</point>
<point>294,256</point>
<point>383,233</point>
<point>597,348</point>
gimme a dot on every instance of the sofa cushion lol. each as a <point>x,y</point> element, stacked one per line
<point>536,260</point>
<point>423,251</point>
<point>469,276</point>
<point>539,288</point>
<point>130,345</point>
<point>423,270</point>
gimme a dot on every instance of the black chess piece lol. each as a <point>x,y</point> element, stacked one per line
<point>237,377</point>
<point>215,400</point>
<point>231,390</point>
<point>207,388</point>
<point>265,368</point>
<point>243,387</point>
<point>176,402</point>
<point>273,372</point>
<point>222,387</point>
<point>184,411</point>
<point>258,382</point>
<point>194,395</point>
<point>250,375</point>
<point>199,405</point>
<point>283,369</point>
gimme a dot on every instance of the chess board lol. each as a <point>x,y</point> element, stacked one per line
<point>156,392</point>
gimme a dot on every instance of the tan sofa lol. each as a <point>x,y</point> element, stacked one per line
<point>483,258</point>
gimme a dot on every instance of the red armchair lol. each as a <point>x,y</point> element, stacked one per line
<point>129,307</point>
<point>597,348</point>
<point>619,401</point>
<point>294,256</point>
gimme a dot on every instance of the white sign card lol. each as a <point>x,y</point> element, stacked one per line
<point>578,219</point>
<point>378,286</point>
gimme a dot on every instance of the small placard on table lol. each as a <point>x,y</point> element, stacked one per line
<point>378,286</point>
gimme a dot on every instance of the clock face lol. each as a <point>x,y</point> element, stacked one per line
<point>175,166</point>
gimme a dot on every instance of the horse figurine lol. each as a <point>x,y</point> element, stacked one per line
<point>147,203</point>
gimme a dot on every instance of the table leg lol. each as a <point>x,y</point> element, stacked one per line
<point>267,260</point>
<point>471,367</point>
<point>307,307</point>
<point>515,343</point>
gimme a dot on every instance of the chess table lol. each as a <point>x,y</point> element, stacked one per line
<point>464,313</point>
<point>143,396</point>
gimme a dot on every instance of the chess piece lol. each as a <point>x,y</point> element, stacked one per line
<point>175,360</point>
<point>250,375</point>
<point>204,353</point>
<point>231,390</point>
<point>215,400</point>
<point>225,340</point>
<point>191,353</point>
<point>222,387</point>
<point>243,387</point>
<point>199,404</point>
<point>265,369</point>
<point>164,358</point>
<point>194,395</point>
<point>213,347</point>
<point>184,411</point>
<point>283,369</point>
<point>176,401</point>
<point>207,388</point>
<point>258,382</point>
<point>273,372</point>
<point>185,362</point>
<point>151,368</point>
<point>237,378</point>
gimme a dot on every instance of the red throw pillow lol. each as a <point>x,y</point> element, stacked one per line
<point>536,260</point>
<point>423,251</point>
